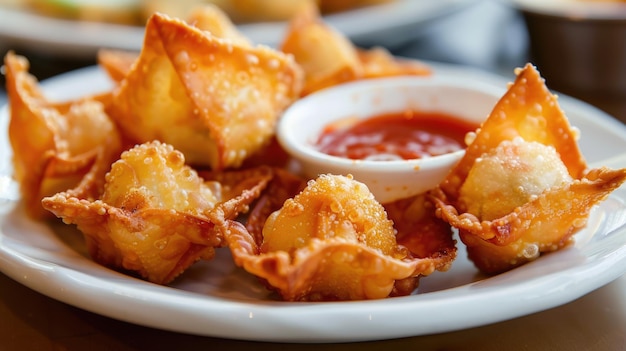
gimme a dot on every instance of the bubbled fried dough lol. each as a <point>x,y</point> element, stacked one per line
<point>522,188</point>
<point>209,18</point>
<point>329,58</point>
<point>156,216</point>
<point>331,207</point>
<point>331,241</point>
<point>56,144</point>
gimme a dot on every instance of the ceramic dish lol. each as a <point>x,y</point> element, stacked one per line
<point>217,299</point>
<point>301,125</point>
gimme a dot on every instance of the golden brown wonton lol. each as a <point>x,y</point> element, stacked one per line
<point>326,55</point>
<point>156,216</point>
<point>212,19</point>
<point>329,58</point>
<point>55,144</point>
<point>211,98</point>
<point>118,63</point>
<point>522,188</point>
<point>332,241</point>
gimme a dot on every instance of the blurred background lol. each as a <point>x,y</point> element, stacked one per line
<point>492,35</point>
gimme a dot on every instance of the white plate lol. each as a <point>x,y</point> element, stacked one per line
<point>386,24</point>
<point>217,299</point>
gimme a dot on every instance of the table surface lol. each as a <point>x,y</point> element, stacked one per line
<point>596,321</point>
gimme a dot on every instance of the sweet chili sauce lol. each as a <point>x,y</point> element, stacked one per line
<point>395,136</point>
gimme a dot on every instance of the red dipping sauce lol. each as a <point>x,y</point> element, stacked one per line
<point>395,136</point>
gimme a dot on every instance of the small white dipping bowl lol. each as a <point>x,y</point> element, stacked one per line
<point>302,123</point>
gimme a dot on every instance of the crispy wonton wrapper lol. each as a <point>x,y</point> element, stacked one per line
<point>522,188</point>
<point>211,98</point>
<point>56,144</point>
<point>329,58</point>
<point>333,241</point>
<point>156,216</point>
<point>118,63</point>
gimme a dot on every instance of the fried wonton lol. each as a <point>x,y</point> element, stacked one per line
<point>329,58</point>
<point>210,18</point>
<point>211,98</point>
<point>118,63</point>
<point>378,62</point>
<point>156,216</point>
<point>56,144</point>
<point>522,188</point>
<point>283,186</point>
<point>332,241</point>
<point>326,55</point>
